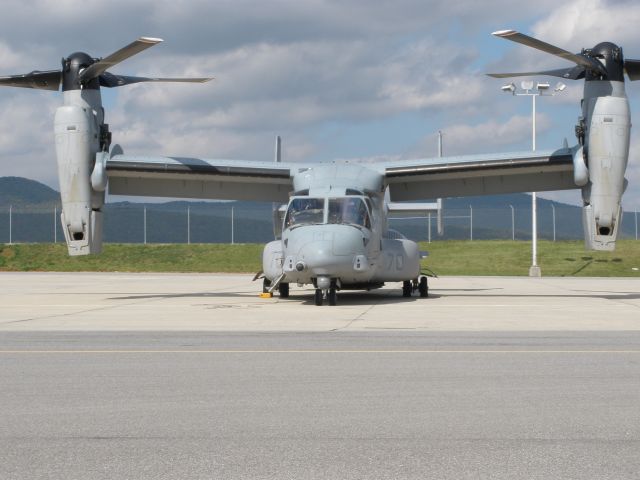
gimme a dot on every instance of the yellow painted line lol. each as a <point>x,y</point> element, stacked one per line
<point>11,352</point>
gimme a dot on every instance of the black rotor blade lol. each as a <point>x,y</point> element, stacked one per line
<point>49,80</point>
<point>573,73</point>
<point>110,80</point>
<point>632,68</point>
<point>587,62</point>
<point>109,61</point>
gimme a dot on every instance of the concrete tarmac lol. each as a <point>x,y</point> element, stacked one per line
<point>109,302</point>
<point>119,376</point>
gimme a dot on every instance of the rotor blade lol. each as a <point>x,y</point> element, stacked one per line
<point>632,68</point>
<point>109,61</point>
<point>573,73</point>
<point>110,80</point>
<point>588,63</point>
<point>49,80</point>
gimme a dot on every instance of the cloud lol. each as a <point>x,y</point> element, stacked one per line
<point>583,23</point>
<point>295,69</point>
<point>488,136</point>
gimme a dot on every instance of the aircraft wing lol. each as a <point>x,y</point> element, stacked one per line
<point>198,178</point>
<point>472,175</point>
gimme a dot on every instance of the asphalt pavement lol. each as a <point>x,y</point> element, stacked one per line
<point>306,405</point>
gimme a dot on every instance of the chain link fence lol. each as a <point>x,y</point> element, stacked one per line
<point>252,223</point>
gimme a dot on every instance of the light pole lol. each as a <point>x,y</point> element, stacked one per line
<point>540,88</point>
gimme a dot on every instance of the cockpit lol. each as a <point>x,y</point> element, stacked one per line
<point>349,210</point>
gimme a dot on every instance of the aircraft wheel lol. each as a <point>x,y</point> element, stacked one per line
<point>283,288</point>
<point>266,283</point>
<point>423,287</point>
<point>333,296</point>
<point>318,297</point>
<point>406,288</point>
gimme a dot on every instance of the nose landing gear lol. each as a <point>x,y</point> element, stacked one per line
<point>330,293</point>
<point>420,284</point>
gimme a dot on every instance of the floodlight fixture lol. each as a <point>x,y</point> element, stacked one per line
<point>509,88</point>
<point>560,87</point>
<point>527,85</point>
<point>542,86</point>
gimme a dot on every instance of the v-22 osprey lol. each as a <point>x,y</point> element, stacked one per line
<point>333,232</point>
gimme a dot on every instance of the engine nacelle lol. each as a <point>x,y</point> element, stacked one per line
<point>272,259</point>
<point>607,148</point>
<point>76,145</point>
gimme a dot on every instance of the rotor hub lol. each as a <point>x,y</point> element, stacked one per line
<point>72,66</point>
<point>610,55</point>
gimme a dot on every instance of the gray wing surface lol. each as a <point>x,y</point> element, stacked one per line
<point>480,175</point>
<point>183,177</point>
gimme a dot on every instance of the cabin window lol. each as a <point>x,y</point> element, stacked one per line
<point>304,211</point>
<point>348,210</point>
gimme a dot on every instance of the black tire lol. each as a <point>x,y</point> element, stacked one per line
<point>333,297</point>
<point>423,287</point>
<point>266,283</point>
<point>406,288</point>
<point>318,297</point>
<point>283,288</point>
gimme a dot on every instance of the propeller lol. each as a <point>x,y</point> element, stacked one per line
<point>602,62</point>
<point>80,71</point>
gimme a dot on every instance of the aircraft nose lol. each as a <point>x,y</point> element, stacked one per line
<point>333,251</point>
<point>348,241</point>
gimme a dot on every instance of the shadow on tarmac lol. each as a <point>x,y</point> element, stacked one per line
<point>386,296</point>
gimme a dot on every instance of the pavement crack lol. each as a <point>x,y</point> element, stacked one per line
<point>359,316</point>
<point>70,314</point>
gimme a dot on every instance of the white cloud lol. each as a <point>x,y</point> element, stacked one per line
<point>291,68</point>
<point>583,23</point>
<point>487,136</point>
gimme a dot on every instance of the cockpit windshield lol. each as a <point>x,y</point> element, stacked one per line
<point>304,210</point>
<point>349,210</point>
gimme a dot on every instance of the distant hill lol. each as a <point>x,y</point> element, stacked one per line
<point>20,191</point>
<point>210,222</point>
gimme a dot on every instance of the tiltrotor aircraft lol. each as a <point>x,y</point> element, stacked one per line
<point>333,232</point>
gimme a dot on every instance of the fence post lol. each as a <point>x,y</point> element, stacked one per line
<point>232,239</point>
<point>429,227</point>
<point>471,222</point>
<point>636,224</point>
<point>188,224</point>
<point>513,223</point>
<point>55,224</point>
<point>553,211</point>
<point>10,224</point>
<point>144,220</point>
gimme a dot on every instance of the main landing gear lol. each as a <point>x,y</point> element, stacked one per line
<point>283,288</point>
<point>420,284</point>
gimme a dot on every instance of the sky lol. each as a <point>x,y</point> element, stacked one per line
<point>350,79</point>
